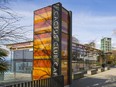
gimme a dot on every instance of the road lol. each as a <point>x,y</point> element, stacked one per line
<point>102,79</point>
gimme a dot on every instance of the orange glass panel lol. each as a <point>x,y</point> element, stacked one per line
<point>43,10</point>
<point>42,23</point>
<point>42,63</point>
<point>42,30</point>
<point>42,43</point>
<point>39,18</point>
<point>41,73</point>
<point>42,36</point>
<point>41,53</point>
<point>41,47</point>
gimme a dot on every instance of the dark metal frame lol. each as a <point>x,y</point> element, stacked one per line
<point>69,42</point>
<point>70,48</point>
<point>59,42</point>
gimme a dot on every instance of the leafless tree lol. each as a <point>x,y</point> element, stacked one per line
<point>10,28</point>
<point>4,1</point>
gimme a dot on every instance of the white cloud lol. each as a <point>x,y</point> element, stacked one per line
<point>88,20</point>
<point>89,27</point>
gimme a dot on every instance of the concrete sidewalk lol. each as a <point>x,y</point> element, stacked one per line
<point>102,79</point>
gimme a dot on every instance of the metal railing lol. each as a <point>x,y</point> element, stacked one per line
<point>57,81</point>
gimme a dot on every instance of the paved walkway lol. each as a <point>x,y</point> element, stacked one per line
<point>103,79</point>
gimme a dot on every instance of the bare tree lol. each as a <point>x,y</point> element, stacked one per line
<point>4,1</point>
<point>10,28</point>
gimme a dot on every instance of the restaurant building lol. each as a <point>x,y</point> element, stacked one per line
<point>50,53</point>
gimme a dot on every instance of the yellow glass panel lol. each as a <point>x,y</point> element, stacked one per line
<point>42,63</point>
<point>41,73</point>
<point>42,57</point>
<point>45,16</point>
<point>44,41</point>
<point>42,30</point>
<point>42,46</point>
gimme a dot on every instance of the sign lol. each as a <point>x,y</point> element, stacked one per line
<point>56,39</point>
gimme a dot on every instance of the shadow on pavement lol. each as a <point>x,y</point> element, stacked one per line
<point>95,82</point>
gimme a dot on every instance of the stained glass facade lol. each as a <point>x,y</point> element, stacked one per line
<point>65,37</point>
<point>42,43</point>
<point>51,42</point>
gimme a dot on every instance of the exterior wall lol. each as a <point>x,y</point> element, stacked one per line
<point>19,46</point>
<point>84,57</point>
<point>22,61</point>
<point>21,57</point>
<point>106,44</point>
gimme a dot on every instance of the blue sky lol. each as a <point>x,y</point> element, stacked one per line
<point>92,19</point>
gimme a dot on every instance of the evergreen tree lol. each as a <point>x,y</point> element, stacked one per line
<point>3,63</point>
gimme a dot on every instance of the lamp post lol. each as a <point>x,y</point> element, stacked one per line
<point>11,65</point>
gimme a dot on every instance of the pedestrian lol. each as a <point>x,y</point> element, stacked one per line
<point>103,65</point>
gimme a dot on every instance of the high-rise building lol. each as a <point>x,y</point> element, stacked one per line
<point>106,44</point>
